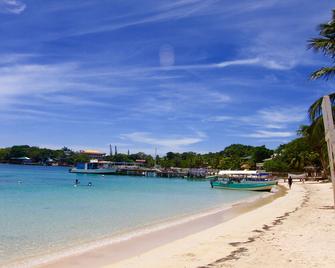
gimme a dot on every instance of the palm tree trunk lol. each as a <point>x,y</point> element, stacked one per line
<point>328,121</point>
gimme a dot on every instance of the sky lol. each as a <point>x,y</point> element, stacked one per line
<point>186,75</point>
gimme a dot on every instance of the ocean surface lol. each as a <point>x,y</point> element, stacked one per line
<point>41,212</point>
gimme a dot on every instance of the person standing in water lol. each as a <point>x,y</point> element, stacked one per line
<point>290,181</point>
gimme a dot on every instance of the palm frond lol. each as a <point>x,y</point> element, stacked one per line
<point>325,45</point>
<point>303,130</point>
<point>315,110</point>
<point>327,29</point>
<point>324,72</point>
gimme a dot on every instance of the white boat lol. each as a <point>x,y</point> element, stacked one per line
<point>94,168</point>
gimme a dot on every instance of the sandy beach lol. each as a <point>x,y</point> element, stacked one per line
<point>296,230</point>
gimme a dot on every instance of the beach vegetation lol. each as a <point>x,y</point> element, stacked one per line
<point>315,133</point>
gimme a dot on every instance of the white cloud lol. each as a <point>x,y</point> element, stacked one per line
<point>266,124</point>
<point>269,134</point>
<point>219,118</point>
<point>49,83</point>
<point>257,61</point>
<point>71,100</point>
<point>282,115</point>
<point>12,6</point>
<point>29,79</point>
<point>282,51</point>
<point>176,10</point>
<point>14,58</point>
<point>273,117</point>
<point>159,13</point>
<point>173,142</point>
<point>219,97</point>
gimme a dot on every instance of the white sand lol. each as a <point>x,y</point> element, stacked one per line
<point>297,230</point>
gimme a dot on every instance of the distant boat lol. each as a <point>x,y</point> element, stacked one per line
<point>94,168</point>
<point>243,180</point>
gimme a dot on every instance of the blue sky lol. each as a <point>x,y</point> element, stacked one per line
<point>187,75</point>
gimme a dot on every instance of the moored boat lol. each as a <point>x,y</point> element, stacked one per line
<point>94,168</point>
<point>243,180</point>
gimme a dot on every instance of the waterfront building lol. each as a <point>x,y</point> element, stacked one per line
<point>93,154</point>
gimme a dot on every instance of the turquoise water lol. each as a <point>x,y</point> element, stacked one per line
<point>41,212</point>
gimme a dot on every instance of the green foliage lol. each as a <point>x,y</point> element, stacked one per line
<point>36,154</point>
<point>260,153</point>
<point>79,158</point>
<point>276,165</point>
<point>293,156</point>
<point>232,157</point>
<point>325,44</point>
<point>290,157</point>
<point>237,150</point>
<point>149,160</point>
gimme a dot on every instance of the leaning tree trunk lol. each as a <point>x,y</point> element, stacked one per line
<point>329,136</point>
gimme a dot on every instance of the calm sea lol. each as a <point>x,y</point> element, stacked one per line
<point>41,212</point>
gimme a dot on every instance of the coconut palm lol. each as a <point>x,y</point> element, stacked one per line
<point>315,132</point>
<point>315,110</point>
<point>315,137</point>
<point>325,44</point>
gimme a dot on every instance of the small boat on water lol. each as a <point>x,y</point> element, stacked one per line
<point>94,168</point>
<point>243,180</point>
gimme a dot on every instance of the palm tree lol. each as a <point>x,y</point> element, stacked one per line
<point>315,132</point>
<point>315,110</point>
<point>325,44</point>
<point>315,136</point>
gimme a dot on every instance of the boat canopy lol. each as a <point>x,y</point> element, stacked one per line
<point>240,172</point>
<point>297,176</point>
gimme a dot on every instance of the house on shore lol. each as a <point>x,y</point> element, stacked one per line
<point>93,154</point>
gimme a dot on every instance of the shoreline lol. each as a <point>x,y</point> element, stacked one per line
<point>139,241</point>
<point>294,231</point>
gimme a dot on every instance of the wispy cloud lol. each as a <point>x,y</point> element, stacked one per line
<point>175,10</point>
<point>14,58</point>
<point>265,124</point>
<point>172,11</point>
<point>173,142</point>
<point>283,115</point>
<point>53,83</point>
<point>228,68</point>
<point>269,134</point>
<point>258,61</point>
<point>12,6</point>
<point>273,117</point>
<point>73,100</point>
<point>219,118</point>
<point>27,79</point>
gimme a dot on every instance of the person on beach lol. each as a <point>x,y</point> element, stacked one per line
<point>290,181</point>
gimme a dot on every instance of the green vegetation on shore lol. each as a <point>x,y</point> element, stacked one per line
<point>293,156</point>
<point>232,157</point>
